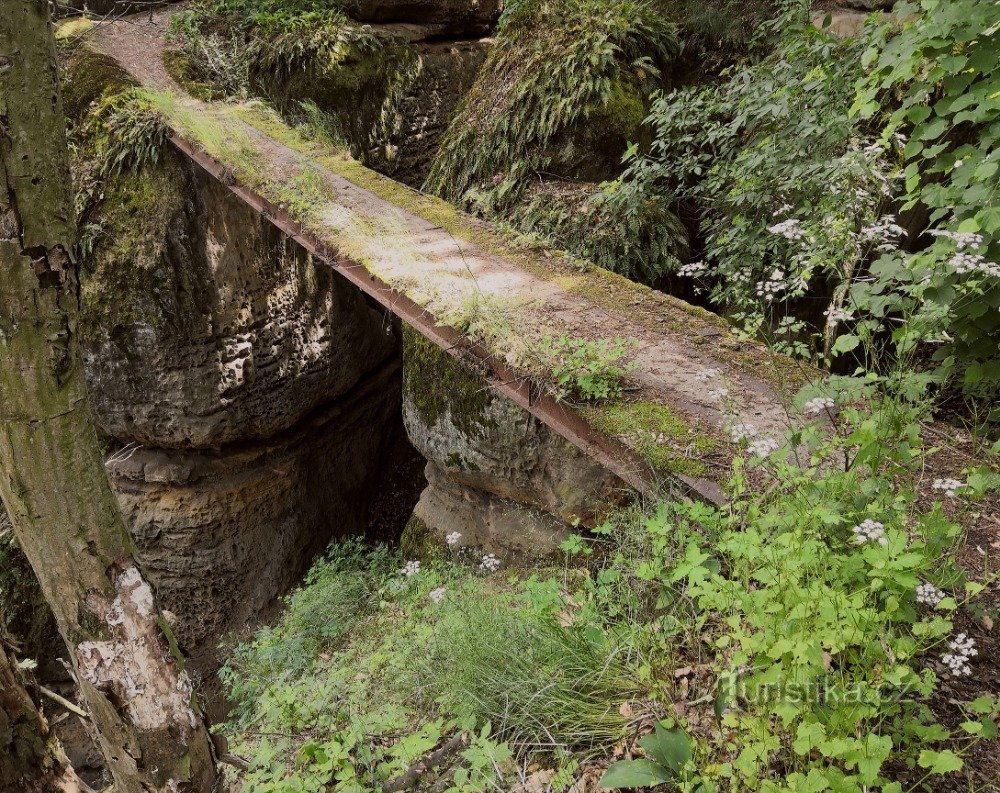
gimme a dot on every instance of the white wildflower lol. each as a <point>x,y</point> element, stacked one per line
<point>490,563</point>
<point>870,530</point>
<point>411,569</point>
<point>742,431</point>
<point>818,405</point>
<point>707,374</point>
<point>763,447</point>
<point>835,315</point>
<point>929,594</point>
<point>437,595</point>
<point>692,269</point>
<point>962,650</point>
<point>965,263</point>
<point>962,239</point>
<point>949,486</point>
<point>718,393</point>
<point>790,229</point>
<point>773,286</point>
<point>884,231</point>
<point>453,538</point>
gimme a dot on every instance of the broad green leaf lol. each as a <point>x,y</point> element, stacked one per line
<point>943,762</point>
<point>670,748</point>
<point>633,773</point>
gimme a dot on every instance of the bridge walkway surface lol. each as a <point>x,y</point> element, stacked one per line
<point>486,296</point>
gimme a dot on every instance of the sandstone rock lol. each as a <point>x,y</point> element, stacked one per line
<point>204,325</point>
<point>843,25</point>
<point>497,524</point>
<point>869,5</point>
<point>483,442</point>
<point>239,526</point>
<point>444,73</point>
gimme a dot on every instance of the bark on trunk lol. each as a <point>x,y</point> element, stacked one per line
<point>31,760</point>
<point>52,476</point>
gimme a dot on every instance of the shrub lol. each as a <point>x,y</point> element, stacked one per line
<point>940,73</point>
<point>822,599</point>
<point>228,42</point>
<point>766,144</point>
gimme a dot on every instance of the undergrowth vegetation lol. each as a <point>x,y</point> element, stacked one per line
<point>312,61</point>
<point>846,187</point>
<point>562,94</point>
<point>797,638</point>
<point>375,663</point>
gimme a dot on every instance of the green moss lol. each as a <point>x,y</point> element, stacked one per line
<point>125,275</point>
<point>184,73</point>
<point>419,542</point>
<point>436,383</point>
<point>661,437</point>
<point>88,77</point>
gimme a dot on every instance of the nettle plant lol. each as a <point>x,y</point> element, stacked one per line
<point>826,600</point>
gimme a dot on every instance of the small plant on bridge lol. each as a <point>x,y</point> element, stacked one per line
<point>584,370</point>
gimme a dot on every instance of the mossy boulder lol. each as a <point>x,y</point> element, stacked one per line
<point>590,149</point>
<point>480,440</point>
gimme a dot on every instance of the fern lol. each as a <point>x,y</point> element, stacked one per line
<point>555,69</point>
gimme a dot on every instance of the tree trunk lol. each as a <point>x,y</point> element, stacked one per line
<point>52,476</point>
<point>31,760</point>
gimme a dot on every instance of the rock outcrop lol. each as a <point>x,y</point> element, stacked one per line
<point>392,102</point>
<point>496,474</point>
<point>247,392</point>
<point>221,533</point>
<point>207,326</point>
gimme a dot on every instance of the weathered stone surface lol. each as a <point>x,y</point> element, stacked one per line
<point>205,325</point>
<point>842,24</point>
<point>869,5</point>
<point>442,74</point>
<point>222,533</point>
<point>466,16</point>
<point>497,524</point>
<point>482,441</point>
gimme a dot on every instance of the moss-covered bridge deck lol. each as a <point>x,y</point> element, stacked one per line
<point>483,295</point>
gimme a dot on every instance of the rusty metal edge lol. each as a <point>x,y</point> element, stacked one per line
<point>605,450</point>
